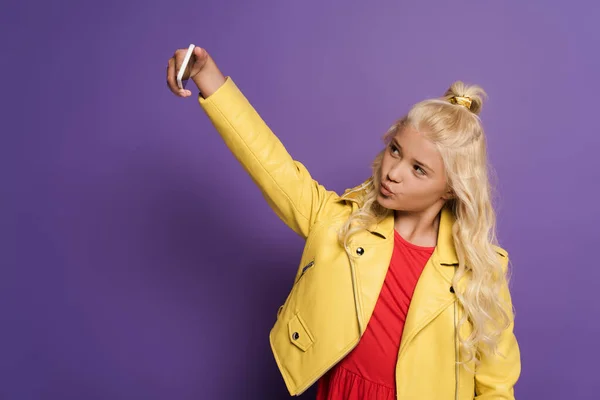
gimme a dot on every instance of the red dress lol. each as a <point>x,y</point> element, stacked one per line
<point>368,371</point>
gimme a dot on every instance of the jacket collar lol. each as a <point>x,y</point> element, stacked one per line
<point>446,252</point>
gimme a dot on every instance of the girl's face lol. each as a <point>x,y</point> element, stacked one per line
<point>413,176</point>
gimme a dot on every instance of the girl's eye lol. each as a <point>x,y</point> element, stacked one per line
<point>420,170</point>
<point>394,149</point>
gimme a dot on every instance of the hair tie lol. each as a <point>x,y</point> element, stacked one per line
<point>462,100</point>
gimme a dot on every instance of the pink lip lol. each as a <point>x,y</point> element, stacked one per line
<point>385,190</point>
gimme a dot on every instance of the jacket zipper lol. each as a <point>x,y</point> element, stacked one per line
<point>456,371</point>
<point>304,269</point>
<point>355,291</point>
<point>307,266</point>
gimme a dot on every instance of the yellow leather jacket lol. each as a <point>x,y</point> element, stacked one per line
<point>334,295</point>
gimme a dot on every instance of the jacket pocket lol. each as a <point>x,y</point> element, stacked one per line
<point>299,333</point>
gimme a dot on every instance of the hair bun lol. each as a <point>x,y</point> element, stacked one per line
<point>469,96</point>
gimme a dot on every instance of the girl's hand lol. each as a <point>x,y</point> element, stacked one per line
<point>201,69</point>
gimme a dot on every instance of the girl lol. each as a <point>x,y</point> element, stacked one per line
<point>401,292</point>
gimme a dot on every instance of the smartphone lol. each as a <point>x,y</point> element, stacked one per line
<point>180,81</point>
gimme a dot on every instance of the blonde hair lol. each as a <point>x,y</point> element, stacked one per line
<point>455,128</point>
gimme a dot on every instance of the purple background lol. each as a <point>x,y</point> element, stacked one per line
<point>140,262</point>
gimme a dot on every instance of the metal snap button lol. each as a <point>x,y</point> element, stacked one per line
<point>360,251</point>
<point>295,335</point>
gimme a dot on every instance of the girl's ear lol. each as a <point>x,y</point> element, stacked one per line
<point>448,195</point>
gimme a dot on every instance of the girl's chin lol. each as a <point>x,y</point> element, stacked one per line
<point>389,202</point>
<point>384,201</point>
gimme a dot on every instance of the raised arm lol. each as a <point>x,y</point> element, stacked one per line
<point>285,183</point>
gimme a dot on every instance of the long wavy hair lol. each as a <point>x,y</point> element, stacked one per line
<point>457,132</point>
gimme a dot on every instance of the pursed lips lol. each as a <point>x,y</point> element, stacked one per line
<point>387,188</point>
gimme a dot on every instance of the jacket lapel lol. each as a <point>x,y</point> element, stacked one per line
<point>432,294</point>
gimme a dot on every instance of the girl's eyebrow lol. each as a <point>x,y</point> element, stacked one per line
<point>416,161</point>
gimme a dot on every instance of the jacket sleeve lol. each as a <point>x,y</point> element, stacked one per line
<point>284,182</point>
<point>496,375</point>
